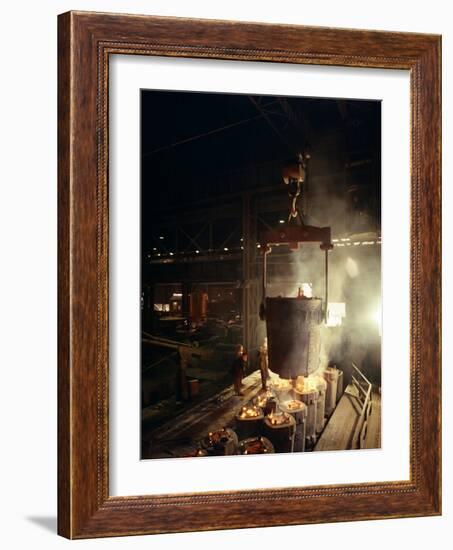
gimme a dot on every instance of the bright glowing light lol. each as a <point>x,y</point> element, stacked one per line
<point>281,221</point>
<point>352,269</point>
<point>377,318</point>
<point>226,249</point>
<point>307,290</point>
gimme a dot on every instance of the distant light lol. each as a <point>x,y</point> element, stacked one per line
<point>281,221</point>
<point>334,240</point>
<point>258,246</point>
<point>377,318</point>
<point>171,253</point>
<point>356,243</point>
<point>161,238</point>
<point>242,248</point>
<point>197,252</point>
<point>154,249</point>
<point>159,254</point>
<point>241,239</point>
<point>226,249</point>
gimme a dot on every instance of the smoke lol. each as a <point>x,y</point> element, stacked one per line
<point>354,278</point>
<point>342,191</point>
<point>352,268</point>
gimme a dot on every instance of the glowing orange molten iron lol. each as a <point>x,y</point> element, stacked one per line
<point>250,411</point>
<point>279,418</point>
<point>293,405</point>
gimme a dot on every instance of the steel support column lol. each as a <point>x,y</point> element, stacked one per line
<point>250,286</point>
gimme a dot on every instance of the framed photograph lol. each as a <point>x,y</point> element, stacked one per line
<point>249,275</point>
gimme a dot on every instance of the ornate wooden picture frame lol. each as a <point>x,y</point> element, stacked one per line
<point>85,507</point>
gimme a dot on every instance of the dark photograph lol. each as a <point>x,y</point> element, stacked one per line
<point>260,274</point>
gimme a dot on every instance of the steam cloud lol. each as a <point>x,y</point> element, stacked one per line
<point>354,279</point>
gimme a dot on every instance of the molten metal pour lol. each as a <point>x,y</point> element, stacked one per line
<point>249,411</point>
<point>278,418</point>
<point>304,384</point>
<point>293,405</point>
<point>282,384</point>
<point>262,398</point>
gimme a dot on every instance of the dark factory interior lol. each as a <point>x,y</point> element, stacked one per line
<point>260,274</point>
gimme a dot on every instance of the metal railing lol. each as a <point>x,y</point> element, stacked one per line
<point>364,389</point>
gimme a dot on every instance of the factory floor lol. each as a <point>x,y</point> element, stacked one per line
<point>159,401</point>
<point>180,436</point>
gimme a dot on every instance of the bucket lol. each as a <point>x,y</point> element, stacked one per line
<point>293,335</point>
